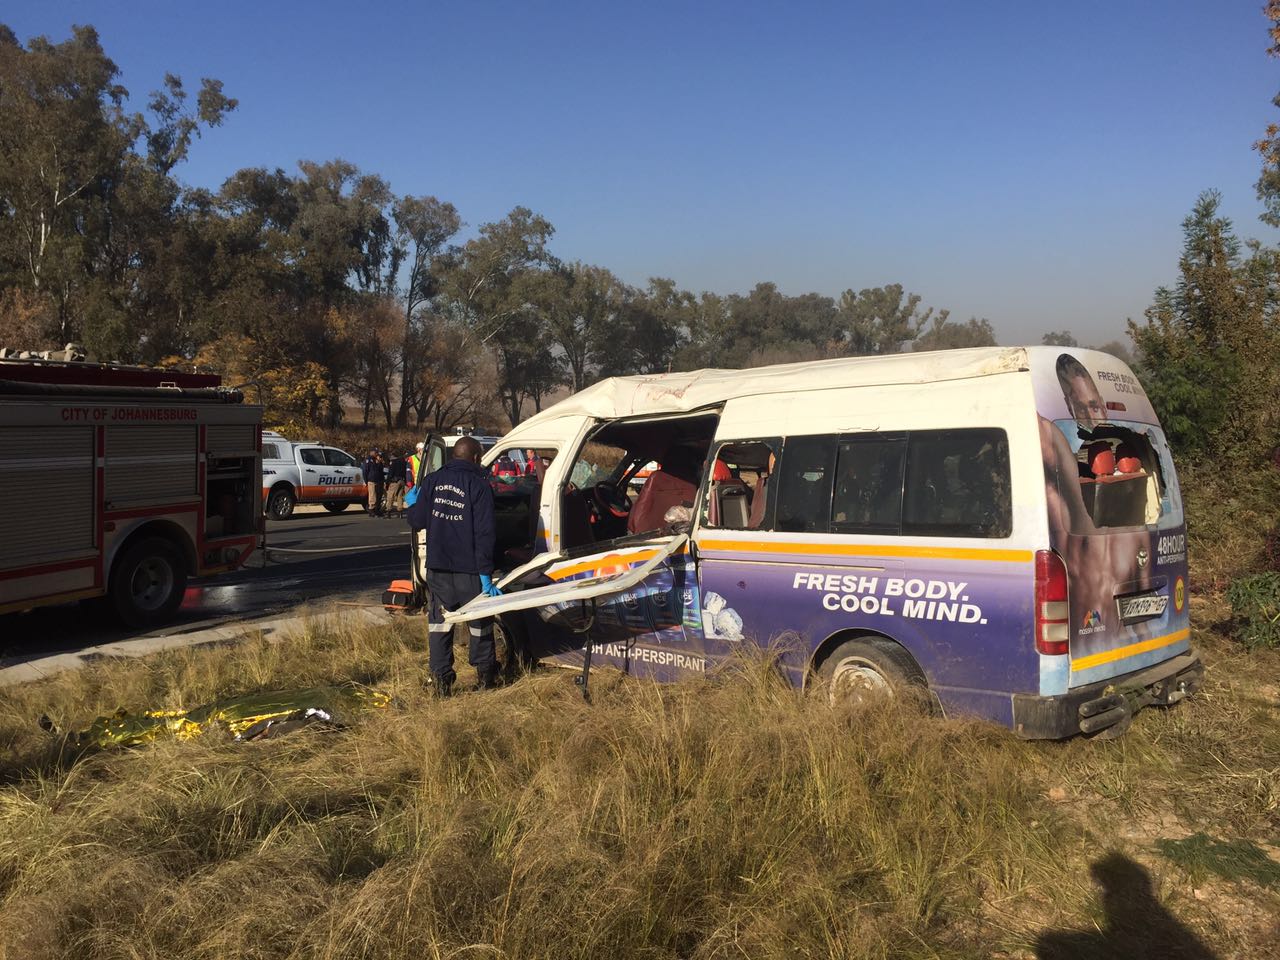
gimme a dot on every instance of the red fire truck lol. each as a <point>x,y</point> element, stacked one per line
<point>122,482</point>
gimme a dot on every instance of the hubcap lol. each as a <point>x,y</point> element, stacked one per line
<point>855,680</point>
<point>151,584</point>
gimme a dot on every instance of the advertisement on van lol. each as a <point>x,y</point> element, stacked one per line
<point>1115,517</point>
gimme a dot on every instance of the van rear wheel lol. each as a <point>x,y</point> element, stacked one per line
<point>147,583</point>
<point>865,670</point>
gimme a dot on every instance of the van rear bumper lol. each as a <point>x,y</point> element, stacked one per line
<point>1108,704</point>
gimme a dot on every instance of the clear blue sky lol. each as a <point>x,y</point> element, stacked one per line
<point>1026,162</point>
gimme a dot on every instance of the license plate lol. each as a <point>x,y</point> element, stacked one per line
<point>1144,606</point>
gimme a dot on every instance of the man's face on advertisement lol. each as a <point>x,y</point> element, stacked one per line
<point>1084,400</point>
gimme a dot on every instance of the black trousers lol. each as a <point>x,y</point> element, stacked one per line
<point>449,591</point>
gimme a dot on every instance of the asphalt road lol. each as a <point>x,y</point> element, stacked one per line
<point>314,562</point>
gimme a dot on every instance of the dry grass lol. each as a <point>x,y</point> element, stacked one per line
<point>724,817</point>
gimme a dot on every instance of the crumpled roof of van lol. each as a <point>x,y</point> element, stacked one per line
<point>656,394</point>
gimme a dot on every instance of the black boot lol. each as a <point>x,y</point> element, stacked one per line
<point>440,687</point>
<point>488,681</point>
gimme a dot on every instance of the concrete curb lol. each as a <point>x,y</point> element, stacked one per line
<point>277,629</point>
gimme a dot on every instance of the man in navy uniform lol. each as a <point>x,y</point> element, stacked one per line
<point>455,506</point>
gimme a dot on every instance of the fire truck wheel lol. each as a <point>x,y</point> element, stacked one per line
<point>333,507</point>
<point>280,505</point>
<point>147,582</point>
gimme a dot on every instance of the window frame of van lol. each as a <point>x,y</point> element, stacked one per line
<point>701,507</point>
<point>898,438</point>
<point>633,463</point>
<point>824,522</point>
<point>525,484</point>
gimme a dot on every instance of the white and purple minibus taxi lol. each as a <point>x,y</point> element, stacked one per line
<point>1001,527</point>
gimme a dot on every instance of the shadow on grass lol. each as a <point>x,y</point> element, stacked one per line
<point>1136,925</point>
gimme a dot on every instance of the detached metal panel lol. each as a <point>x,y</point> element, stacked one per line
<point>46,511</point>
<point>231,439</point>
<point>150,464</point>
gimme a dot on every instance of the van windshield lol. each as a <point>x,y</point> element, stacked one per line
<point>1115,475</point>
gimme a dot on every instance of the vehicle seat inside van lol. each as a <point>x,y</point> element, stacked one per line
<point>1118,495</point>
<point>1121,501</point>
<point>730,504</point>
<point>674,483</point>
<point>1102,459</point>
<point>1127,459</point>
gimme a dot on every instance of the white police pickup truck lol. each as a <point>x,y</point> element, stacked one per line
<point>307,472</point>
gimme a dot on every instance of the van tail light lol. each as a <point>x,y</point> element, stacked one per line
<point>1053,618</point>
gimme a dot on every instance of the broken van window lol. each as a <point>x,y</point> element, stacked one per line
<point>736,494</point>
<point>607,511</point>
<point>1119,476</point>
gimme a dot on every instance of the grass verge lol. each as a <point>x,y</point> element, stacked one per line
<point>714,818</point>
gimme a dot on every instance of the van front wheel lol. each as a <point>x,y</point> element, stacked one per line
<point>862,671</point>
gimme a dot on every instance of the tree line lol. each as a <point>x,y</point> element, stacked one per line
<point>323,289</point>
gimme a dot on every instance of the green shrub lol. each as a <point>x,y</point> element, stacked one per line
<point>1228,513</point>
<point>1255,602</point>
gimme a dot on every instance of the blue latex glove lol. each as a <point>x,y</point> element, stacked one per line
<point>487,587</point>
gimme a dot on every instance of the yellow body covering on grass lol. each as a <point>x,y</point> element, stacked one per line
<point>247,718</point>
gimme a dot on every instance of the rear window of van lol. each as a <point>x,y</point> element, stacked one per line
<point>1115,474</point>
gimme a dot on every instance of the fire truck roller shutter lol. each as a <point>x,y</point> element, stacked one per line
<point>46,511</point>
<point>230,439</point>
<point>149,464</point>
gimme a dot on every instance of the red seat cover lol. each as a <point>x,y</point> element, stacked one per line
<point>660,493</point>
<point>1102,459</point>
